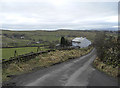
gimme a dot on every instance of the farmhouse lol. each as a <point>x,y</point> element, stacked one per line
<point>80,42</point>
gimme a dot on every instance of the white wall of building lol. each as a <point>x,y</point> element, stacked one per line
<point>81,42</point>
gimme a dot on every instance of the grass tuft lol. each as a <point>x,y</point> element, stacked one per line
<point>108,69</point>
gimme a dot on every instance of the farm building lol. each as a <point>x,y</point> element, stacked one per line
<point>80,42</point>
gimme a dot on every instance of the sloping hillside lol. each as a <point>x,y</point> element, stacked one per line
<point>37,38</point>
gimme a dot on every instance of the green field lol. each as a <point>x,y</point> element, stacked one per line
<point>13,38</point>
<point>9,52</point>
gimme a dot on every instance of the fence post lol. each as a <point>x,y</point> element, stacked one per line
<point>15,54</point>
<point>38,48</point>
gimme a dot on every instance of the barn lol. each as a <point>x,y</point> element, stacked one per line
<point>81,42</point>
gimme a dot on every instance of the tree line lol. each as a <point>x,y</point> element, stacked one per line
<point>107,48</point>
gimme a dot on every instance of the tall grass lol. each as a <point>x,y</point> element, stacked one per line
<point>43,60</point>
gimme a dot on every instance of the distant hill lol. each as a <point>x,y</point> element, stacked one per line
<point>42,37</point>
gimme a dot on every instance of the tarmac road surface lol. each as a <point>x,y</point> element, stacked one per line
<point>75,72</point>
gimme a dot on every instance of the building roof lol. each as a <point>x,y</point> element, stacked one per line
<point>78,39</point>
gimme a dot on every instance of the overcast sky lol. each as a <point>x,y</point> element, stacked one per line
<point>57,14</point>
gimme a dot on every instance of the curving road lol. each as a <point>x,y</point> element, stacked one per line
<point>75,72</point>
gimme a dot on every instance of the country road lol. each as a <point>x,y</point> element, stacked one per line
<point>75,72</point>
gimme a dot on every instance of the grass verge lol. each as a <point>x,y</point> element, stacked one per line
<point>43,60</point>
<point>108,69</point>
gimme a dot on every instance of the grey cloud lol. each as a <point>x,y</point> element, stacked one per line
<point>71,15</point>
